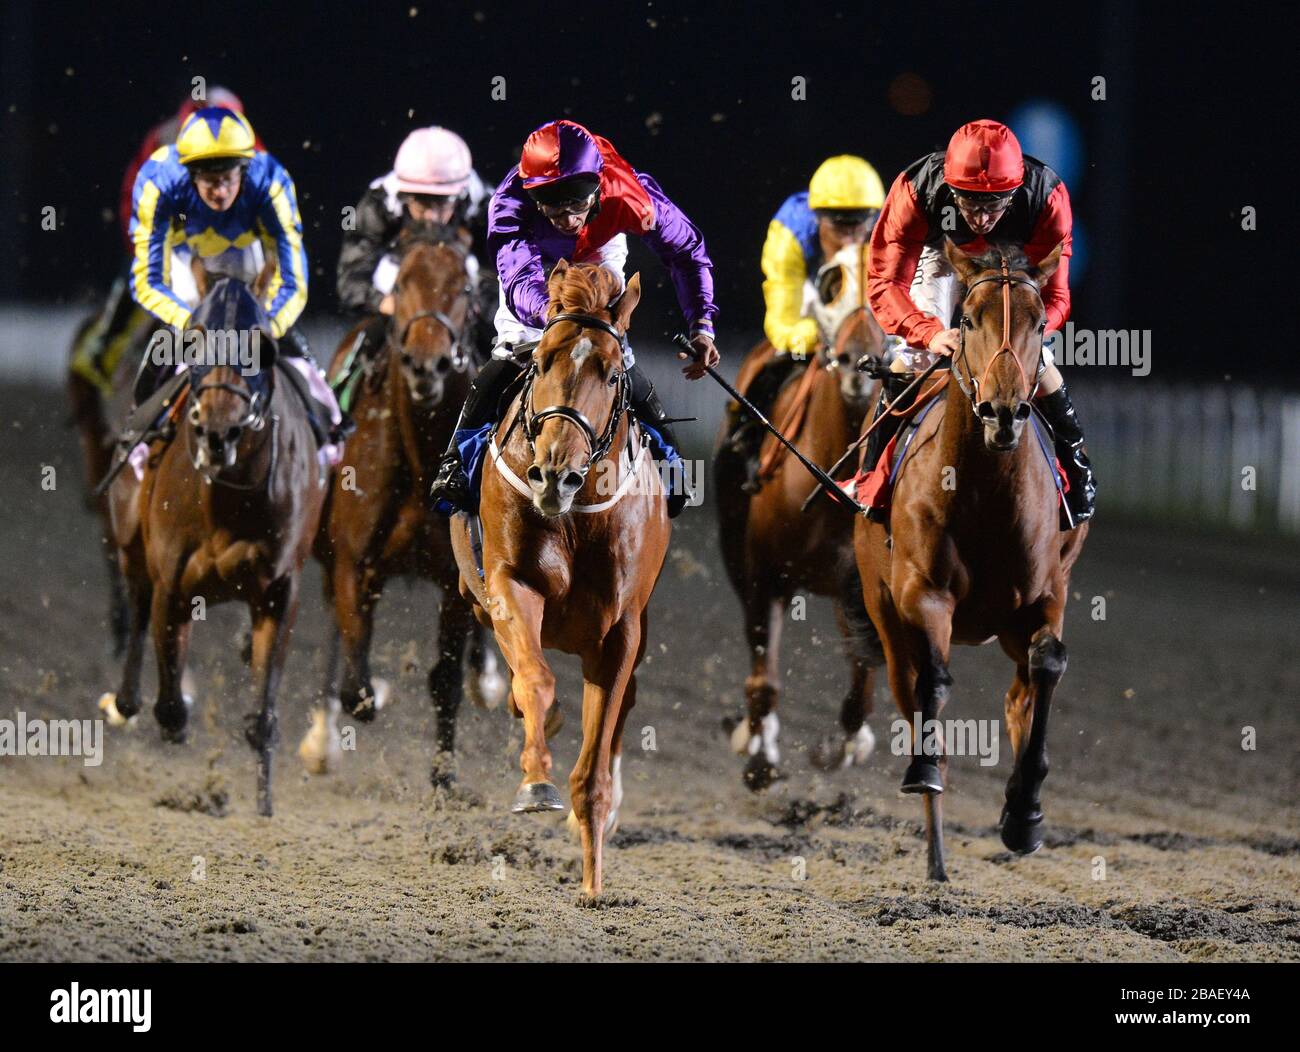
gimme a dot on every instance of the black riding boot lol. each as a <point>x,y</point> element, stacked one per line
<point>882,433</point>
<point>1064,422</point>
<point>648,409</point>
<point>747,433</point>
<point>450,490</point>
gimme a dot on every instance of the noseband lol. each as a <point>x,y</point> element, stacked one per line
<point>1005,279</point>
<point>253,420</point>
<point>459,353</point>
<point>597,445</point>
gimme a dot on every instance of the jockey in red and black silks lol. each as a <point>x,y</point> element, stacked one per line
<point>982,192</point>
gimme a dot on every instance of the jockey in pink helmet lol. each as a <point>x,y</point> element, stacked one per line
<point>432,184</point>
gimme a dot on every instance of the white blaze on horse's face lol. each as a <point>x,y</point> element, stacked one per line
<point>838,286</point>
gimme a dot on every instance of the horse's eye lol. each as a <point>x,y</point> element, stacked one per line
<point>966,322</point>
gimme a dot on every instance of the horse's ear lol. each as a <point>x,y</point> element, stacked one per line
<point>200,273</point>
<point>556,279</point>
<point>961,262</point>
<point>627,302</point>
<point>1047,266</point>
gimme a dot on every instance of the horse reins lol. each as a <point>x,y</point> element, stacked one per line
<point>1005,279</point>
<point>253,420</point>
<point>459,355</point>
<point>597,445</point>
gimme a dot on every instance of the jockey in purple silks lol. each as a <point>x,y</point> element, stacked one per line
<point>572,197</point>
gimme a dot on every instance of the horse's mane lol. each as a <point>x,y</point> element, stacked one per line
<point>585,289</point>
<point>992,259</point>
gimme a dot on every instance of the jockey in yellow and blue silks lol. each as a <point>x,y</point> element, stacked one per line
<point>839,208</point>
<point>215,196</point>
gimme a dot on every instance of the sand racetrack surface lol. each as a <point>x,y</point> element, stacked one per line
<point>1199,838</point>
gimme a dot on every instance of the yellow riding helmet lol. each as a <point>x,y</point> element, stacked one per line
<point>213,133</point>
<point>846,182</point>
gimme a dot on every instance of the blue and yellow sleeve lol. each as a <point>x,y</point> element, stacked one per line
<point>784,273</point>
<point>281,222</point>
<point>150,230</point>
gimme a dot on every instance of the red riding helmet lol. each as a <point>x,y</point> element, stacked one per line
<point>984,158</point>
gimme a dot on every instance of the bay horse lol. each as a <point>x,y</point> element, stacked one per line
<point>973,550</point>
<point>97,415</point>
<point>378,522</point>
<point>571,555</point>
<point>772,549</point>
<point>225,511</point>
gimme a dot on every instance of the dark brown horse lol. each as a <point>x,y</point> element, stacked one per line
<point>378,523</point>
<point>976,553</point>
<point>97,415</point>
<point>225,511</point>
<point>772,550</point>
<point>572,554</point>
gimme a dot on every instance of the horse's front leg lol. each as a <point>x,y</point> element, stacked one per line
<point>756,735</point>
<point>121,706</point>
<point>446,680</point>
<point>356,590</point>
<point>273,614</point>
<point>862,647</point>
<point>928,614</point>
<point>171,623</point>
<point>1028,704</point>
<point>517,612</point>
<point>607,670</point>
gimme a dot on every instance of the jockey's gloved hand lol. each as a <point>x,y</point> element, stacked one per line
<point>706,355</point>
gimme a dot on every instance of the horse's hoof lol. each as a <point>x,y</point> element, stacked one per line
<point>321,749</point>
<point>738,733</point>
<point>486,689</point>
<point>760,773</point>
<point>922,777</point>
<point>937,874</point>
<point>830,754</point>
<point>174,735</point>
<point>537,796</point>
<point>107,704</point>
<point>1021,833</point>
<point>365,704</point>
<point>442,773</point>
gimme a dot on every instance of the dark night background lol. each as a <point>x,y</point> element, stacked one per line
<point>1198,118</point>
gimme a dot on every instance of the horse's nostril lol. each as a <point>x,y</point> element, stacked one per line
<point>572,481</point>
<point>534,475</point>
<point>1023,410</point>
<point>232,434</point>
<point>444,365</point>
<point>986,411</point>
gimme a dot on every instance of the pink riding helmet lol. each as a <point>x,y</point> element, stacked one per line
<point>433,161</point>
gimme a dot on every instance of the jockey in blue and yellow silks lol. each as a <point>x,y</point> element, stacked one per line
<point>839,208</point>
<point>172,218</point>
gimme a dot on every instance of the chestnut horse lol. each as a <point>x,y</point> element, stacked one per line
<point>225,511</point>
<point>976,553</point>
<point>571,556</point>
<point>772,550</point>
<point>378,522</point>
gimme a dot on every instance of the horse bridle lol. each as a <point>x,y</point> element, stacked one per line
<point>1005,279</point>
<point>253,420</point>
<point>459,354</point>
<point>597,445</point>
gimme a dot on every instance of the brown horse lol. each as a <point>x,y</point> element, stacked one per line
<point>772,550</point>
<point>571,555</point>
<point>976,553</point>
<point>97,416</point>
<point>378,523</point>
<point>225,511</point>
